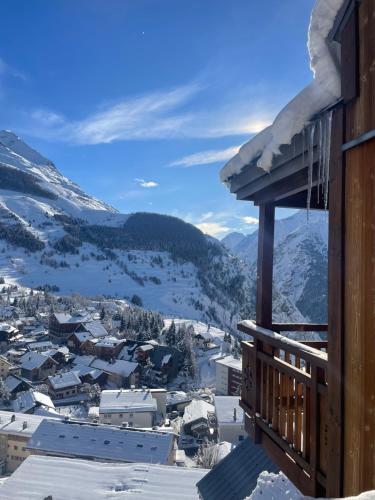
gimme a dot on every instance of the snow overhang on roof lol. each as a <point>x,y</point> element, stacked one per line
<point>322,92</point>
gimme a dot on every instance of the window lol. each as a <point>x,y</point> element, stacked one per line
<point>240,438</point>
<point>15,447</point>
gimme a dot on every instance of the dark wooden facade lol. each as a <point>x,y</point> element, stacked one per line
<point>312,405</point>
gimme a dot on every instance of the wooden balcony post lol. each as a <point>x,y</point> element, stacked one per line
<point>265,265</point>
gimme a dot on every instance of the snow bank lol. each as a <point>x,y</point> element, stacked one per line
<point>324,90</point>
<point>274,487</point>
<point>278,487</point>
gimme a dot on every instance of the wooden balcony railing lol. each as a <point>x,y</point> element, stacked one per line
<point>284,395</point>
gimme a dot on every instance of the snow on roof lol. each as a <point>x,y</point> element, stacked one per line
<point>83,370</point>
<point>5,327</point>
<point>33,360</point>
<point>83,360</point>
<point>13,381</point>
<point>108,341</point>
<point>127,401</point>
<point>175,397</point>
<point>145,347</point>
<point>63,380</point>
<point>323,91</point>
<point>82,336</point>
<point>96,329</point>
<point>119,367</point>
<point>66,318</point>
<point>19,423</point>
<point>103,442</point>
<point>226,408</point>
<point>196,410</point>
<point>61,478</point>
<point>166,359</point>
<point>230,361</point>
<point>30,399</point>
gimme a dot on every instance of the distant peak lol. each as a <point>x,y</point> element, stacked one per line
<point>13,142</point>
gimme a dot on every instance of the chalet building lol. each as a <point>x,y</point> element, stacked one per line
<point>37,366</point>
<point>62,325</point>
<point>7,368</point>
<point>103,347</point>
<point>15,431</point>
<point>135,408</point>
<point>228,376</point>
<point>229,419</point>
<point>198,419</point>
<point>14,384</point>
<point>34,402</point>
<point>63,385</point>
<point>311,405</point>
<point>7,333</point>
<point>119,373</point>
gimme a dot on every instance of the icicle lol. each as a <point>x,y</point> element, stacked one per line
<point>320,140</point>
<point>327,157</point>
<point>310,151</point>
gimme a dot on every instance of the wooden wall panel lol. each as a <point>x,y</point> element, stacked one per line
<point>359,460</point>
<point>361,112</point>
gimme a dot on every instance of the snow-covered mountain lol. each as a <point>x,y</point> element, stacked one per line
<point>55,236</point>
<point>300,261</point>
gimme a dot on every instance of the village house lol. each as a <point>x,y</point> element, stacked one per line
<point>15,432</point>
<point>137,408</point>
<point>37,366</point>
<point>63,385</point>
<point>142,352</point>
<point>120,373</point>
<point>102,443</point>
<point>34,402</point>
<point>198,419</point>
<point>7,333</point>
<point>14,384</point>
<point>103,347</point>
<point>62,325</point>
<point>7,368</point>
<point>228,376</point>
<point>229,419</point>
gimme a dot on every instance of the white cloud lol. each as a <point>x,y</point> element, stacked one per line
<point>248,219</point>
<point>162,114</point>
<point>212,228</point>
<point>206,157</point>
<point>146,184</point>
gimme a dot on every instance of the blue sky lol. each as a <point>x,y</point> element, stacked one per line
<point>141,102</point>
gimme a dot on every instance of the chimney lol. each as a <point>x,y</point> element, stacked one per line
<point>24,425</point>
<point>13,418</point>
<point>235,414</point>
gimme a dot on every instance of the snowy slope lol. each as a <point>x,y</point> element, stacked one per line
<point>300,260</point>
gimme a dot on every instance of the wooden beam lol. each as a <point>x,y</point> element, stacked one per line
<point>336,279</point>
<point>265,265</point>
<point>299,327</point>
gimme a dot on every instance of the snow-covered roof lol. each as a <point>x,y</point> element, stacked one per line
<point>175,397</point>
<point>118,367</point>
<point>127,401</point>
<point>13,381</point>
<point>83,370</point>
<point>166,359</point>
<point>103,442</point>
<point>63,380</point>
<point>61,478</point>
<point>145,347</point>
<point>230,361</point>
<point>19,423</point>
<point>28,400</point>
<point>228,407</point>
<point>96,329</point>
<point>33,360</point>
<point>66,318</point>
<point>108,341</point>
<point>82,336</point>
<point>196,410</point>
<point>85,360</point>
<point>5,327</point>
<point>324,90</point>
